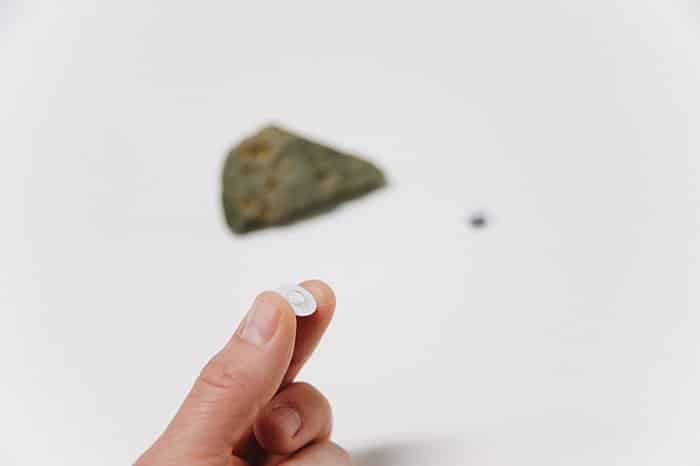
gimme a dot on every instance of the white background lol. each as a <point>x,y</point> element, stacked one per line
<point>566,333</point>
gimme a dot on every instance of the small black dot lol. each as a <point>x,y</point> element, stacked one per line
<point>478,220</point>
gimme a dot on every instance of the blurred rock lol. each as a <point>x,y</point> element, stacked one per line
<point>275,177</point>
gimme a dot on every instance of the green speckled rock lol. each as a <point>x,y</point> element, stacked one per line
<point>275,177</point>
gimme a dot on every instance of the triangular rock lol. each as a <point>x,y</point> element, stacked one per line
<point>275,177</point>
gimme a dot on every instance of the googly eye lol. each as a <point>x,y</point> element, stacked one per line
<point>302,302</point>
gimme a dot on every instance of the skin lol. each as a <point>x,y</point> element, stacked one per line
<point>245,409</point>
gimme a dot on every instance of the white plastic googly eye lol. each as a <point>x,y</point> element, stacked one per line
<point>302,302</point>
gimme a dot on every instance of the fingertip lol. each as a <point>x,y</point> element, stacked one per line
<point>310,329</point>
<point>287,317</point>
<point>298,415</point>
<point>282,337</point>
<point>276,429</point>
<point>323,294</point>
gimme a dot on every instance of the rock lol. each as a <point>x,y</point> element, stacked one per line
<point>275,177</point>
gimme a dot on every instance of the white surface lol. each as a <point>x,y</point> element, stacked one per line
<point>565,333</point>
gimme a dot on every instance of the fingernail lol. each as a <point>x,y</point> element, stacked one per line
<point>261,323</point>
<point>287,420</point>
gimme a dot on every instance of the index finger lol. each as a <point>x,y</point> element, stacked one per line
<point>310,329</point>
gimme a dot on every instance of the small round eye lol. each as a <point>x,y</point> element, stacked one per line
<point>295,298</point>
<point>302,302</point>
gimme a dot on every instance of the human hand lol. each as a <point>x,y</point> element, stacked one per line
<point>245,408</point>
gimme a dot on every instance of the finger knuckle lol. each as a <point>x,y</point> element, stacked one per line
<point>220,376</point>
<point>339,452</point>
<point>319,402</point>
<point>306,389</point>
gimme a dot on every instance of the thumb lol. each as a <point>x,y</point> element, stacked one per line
<point>238,381</point>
